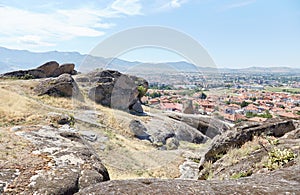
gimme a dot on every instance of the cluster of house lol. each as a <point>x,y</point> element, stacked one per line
<point>252,105</point>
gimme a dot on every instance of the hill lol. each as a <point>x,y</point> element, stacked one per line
<point>11,60</point>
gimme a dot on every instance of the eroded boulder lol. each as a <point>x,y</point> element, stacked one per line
<point>117,90</point>
<point>62,86</point>
<point>49,68</point>
<point>73,164</point>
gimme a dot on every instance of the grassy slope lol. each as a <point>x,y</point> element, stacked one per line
<point>124,156</point>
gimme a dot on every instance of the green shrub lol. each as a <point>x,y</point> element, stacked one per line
<point>27,77</point>
<point>142,90</point>
<point>278,158</point>
<point>241,174</point>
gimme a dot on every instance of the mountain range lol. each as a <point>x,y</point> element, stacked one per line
<point>11,60</point>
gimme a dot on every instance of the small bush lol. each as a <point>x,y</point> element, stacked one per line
<point>142,90</point>
<point>27,77</point>
<point>278,158</point>
<point>241,174</point>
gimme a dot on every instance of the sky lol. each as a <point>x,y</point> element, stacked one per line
<point>235,33</point>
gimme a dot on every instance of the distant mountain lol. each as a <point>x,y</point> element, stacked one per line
<point>11,60</point>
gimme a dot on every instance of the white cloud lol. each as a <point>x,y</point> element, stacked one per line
<point>22,27</point>
<point>128,7</point>
<point>32,28</point>
<point>172,4</point>
<point>239,4</point>
<point>33,40</point>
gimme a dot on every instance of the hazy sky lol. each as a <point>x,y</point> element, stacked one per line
<point>236,33</point>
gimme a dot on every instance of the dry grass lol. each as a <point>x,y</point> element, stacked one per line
<point>234,155</point>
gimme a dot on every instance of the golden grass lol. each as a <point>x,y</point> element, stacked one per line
<point>234,155</point>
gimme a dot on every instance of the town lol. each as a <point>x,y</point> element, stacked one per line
<point>232,97</point>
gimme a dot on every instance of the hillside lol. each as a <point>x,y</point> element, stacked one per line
<point>64,145</point>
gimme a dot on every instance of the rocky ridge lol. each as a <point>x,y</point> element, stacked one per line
<point>49,69</point>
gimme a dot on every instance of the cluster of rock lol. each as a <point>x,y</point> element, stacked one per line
<point>49,69</point>
<point>116,90</point>
<point>166,133</point>
<point>245,132</point>
<point>109,88</point>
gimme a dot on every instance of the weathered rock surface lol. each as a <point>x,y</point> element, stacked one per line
<point>209,126</point>
<point>62,86</point>
<point>116,90</point>
<point>72,165</point>
<point>244,133</point>
<point>49,69</point>
<point>138,129</point>
<point>64,69</point>
<point>284,181</point>
<point>166,132</point>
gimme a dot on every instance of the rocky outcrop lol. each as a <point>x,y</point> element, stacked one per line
<point>72,165</point>
<point>49,69</point>
<point>209,126</point>
<point>244,133</point>
<point>166,133</point>
<point>62,86</point>
<point>64,69</point>
<point>284,181</point>
<point>117,90</point>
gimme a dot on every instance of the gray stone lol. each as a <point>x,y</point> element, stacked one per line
<point>117,90</point>
<point>138,129</point>
<point>48,68</point>
<point>64,69</point>
<point>172,143</point>
<point>72,160</point>
<point>62,86</point>
<point>89,135</point>
<point>16,128</point>
<point>137,107</point>
<point>88,178</point>
<point>284,181</point>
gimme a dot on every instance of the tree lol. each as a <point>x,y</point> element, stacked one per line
<point>244,104</point>
<point>203,96</point>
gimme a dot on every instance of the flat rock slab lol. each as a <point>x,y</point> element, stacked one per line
<point>284,181</point>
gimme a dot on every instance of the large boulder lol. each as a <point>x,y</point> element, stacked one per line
<point>71,164</point>
<point>48,68</point>
<point>166,133</point>
<point>64,69</point>
<point>117,90</point>
<point>209,126</point>
<point>62,86</point>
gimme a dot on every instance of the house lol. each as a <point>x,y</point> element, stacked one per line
<point>252,109</point>
<point>171,107</point>
<point>232,109</point>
